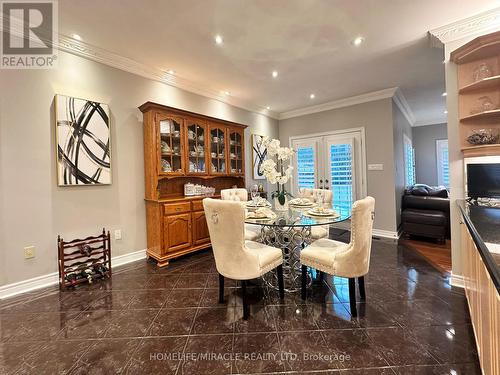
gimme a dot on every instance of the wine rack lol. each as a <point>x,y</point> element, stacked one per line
<point>84,260</point>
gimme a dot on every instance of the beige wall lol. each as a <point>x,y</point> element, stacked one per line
<point>424,141</point>
<point>377,119</point>
<point>33,210</point>
<point>401,127</point>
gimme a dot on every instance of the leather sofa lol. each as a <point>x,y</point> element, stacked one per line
<point>426,212</point>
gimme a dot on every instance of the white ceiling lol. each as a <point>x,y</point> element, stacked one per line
<point>307,41</point>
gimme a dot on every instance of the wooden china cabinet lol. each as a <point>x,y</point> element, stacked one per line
<point>182,147</point>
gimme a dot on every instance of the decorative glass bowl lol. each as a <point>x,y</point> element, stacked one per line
<point>483,136</point>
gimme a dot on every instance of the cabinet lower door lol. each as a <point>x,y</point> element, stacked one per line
<point>200,228</point>
<point>177,232</point>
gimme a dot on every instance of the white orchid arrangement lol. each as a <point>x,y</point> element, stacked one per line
<point>273,168</point>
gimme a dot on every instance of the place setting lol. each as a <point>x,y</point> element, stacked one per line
<point>301,203</point>
<point>321,212</point>
<point>262,213</point>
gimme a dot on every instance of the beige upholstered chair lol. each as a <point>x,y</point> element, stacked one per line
<point>318,231</point>
<point>235,257</point>
<point>252,231</point>
<point>350,260</point>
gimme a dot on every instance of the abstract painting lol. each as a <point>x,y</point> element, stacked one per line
<point>83,142</point>
<point>258,156</point>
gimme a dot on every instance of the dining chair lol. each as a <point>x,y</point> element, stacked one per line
<point>351,260</point>
<point>252,231</point>
<point>318,231</point>
<point>235,257</point>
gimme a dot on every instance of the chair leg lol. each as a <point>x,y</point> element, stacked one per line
<point>304,281</point>
<point>221,288</point>
<point>246,313</point>
<point>281,283</point>
<point>352,296</point>
<point>361,284</point>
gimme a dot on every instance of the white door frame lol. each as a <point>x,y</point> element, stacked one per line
<point>362,155</point>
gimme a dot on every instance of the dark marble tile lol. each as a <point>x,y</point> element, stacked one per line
<point>191,281</point>
<point>213,282</point>
<point>113,300</point>
<point>171,322</point>
<point>399,347</point>
<point>184,298</point>
<point>43,303</point>
<point>307,351</point>
<point>370,314</point>
<point>16,355</point>
<point>261,320</point>
<point>108,356</point>
<point>369,371</point>
<point>214,320</point>
<point>448,344</point>
<point>333,316</point>
<point>125,281</point>
<point>157,356</point>
<point>210,298</point>
<point>87,325</point>
<point>162,282</point>
<point>295,318</point>
<point>79,299</point>
<point>56,357</point>
<point>355,347</point>
<point>33,327</point>
<point>257,353</point>
<point>218,360</point>
<point>148,299</point>
<point>130,323</point>
<point>447,369</point>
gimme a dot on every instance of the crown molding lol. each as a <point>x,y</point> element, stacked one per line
<point>432,121</point>
<point>480,23</point>
<point>114,60</point>
<point>400,100</point>
<point>346,102</point>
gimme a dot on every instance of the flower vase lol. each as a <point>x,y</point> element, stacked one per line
<point>281,207</point>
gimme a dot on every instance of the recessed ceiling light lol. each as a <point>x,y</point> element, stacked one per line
<point>275,73</point>
<point>77,37</point>
<point>268,108</point>
<point>218,39</point>
<point>445,112</point>
<point>358,41</point>
<point>226,92</point>
<point>312,96</point>
<point>444,94</point>
<point>171,72</point>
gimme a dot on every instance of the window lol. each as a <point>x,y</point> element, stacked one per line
<point>305,169</point>
<point>442,162</point>
<point>409,159</point>
<point>341,174</point>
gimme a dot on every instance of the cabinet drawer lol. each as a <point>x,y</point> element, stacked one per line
<point>176,208</point>
<point>198,205</point>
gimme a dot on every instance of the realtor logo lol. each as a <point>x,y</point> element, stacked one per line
<point>29,34</point>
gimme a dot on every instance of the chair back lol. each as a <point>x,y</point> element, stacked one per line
<point>235,194</point>
<point>312,195</point>
<point>226,226</point>
<point>363,213</point>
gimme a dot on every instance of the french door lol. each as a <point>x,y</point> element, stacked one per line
<point>331,161</point>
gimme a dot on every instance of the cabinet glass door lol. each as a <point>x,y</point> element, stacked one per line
<point>236,151</point>
<point>196,141</point>
<point>170,146</point>
<point>217,150</point>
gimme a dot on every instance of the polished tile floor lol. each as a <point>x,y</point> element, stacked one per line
<point>168,321</point>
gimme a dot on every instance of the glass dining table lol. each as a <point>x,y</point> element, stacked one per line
<point>290,231</point>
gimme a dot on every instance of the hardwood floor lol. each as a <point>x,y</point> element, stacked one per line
<point>438,255</point>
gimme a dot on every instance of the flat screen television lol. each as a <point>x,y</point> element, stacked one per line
<point>483,180</point>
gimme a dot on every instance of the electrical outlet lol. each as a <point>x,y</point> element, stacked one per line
<point>118,234</point>
<point>29,252</point>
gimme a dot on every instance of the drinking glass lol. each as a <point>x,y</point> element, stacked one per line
<point>254,191</point>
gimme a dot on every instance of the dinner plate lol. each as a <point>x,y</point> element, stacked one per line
<point>315,213</point>
<point>309,204</point>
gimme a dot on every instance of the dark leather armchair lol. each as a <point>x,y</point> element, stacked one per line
<point>426,212</point>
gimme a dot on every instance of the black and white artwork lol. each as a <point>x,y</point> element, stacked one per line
<point>83,142</point>
<point>259,153</point>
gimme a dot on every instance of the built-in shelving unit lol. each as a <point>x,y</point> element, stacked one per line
<point>479,91</point>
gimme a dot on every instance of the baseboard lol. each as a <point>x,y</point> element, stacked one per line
<point>385,234</point>
<point>44,281</point>
<point>457,280</point>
